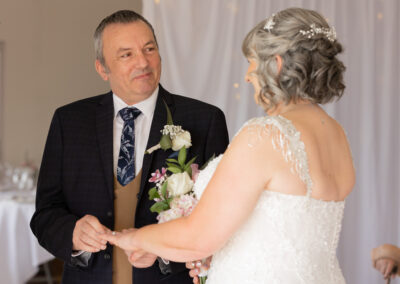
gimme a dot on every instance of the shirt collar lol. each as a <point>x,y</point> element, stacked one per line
<point>146,107</point>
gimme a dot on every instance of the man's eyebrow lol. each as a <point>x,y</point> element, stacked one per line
<point>122,49</point>
<point>150,42</point>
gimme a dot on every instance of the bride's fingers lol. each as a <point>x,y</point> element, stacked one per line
<point>194,272</point>
<point>190,265</point>
<point>111,237</point>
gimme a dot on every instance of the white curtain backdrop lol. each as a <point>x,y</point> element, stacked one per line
<point>200,43</point>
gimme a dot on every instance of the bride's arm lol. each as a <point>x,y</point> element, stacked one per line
<point>228,200</point>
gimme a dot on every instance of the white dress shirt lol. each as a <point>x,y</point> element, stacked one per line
<point>142,128</point>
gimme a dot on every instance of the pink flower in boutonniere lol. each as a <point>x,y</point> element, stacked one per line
<point>158,176</point>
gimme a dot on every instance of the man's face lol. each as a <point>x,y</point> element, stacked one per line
<point>133,64</point>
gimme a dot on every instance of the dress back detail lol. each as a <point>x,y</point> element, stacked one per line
<point>287,238</point>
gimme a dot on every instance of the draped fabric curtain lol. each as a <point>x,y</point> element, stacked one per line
<point>1,97</point>
<point>200,44</point>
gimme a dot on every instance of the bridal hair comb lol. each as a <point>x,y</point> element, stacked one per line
<point>330,33</point>
<point>269,25</point>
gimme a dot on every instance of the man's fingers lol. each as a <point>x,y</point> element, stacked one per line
<point>136,255</point>
<point>94,242</point>
<point>95,224</point>
<point>87,247</point>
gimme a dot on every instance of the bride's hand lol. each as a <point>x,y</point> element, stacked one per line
<point>123,239</point>
<point>196,266</point>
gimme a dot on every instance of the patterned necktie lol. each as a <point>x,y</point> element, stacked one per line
<point>126,158</point>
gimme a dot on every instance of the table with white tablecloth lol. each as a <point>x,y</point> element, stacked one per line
<point>20,252</point>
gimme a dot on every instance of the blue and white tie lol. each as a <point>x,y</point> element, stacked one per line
<point>126,158</point>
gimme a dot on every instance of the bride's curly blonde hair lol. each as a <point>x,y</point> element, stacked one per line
<point>310,69</point>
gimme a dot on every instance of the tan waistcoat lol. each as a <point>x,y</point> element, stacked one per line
<point>125,203</point>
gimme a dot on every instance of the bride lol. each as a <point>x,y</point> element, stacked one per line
<point>273,206</point>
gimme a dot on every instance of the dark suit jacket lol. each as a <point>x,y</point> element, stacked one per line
<point>76,177</point>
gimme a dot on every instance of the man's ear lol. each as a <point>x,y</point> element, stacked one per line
<point>101,70</point>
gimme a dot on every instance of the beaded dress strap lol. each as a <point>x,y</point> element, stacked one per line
<point>286,138</point>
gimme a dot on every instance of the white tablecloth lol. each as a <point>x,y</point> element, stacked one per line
<point>20,252</point>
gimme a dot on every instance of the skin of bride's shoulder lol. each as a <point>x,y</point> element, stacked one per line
<point>329,155</point>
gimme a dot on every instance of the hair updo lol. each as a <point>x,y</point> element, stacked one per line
<point>310,69</point>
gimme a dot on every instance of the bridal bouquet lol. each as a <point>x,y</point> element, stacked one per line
<point>173,191</point>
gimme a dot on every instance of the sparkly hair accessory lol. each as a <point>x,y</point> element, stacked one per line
<point>330,33</point>
<point>269,25</point>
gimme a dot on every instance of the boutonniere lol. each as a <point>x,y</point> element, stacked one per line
<point>173,136</point>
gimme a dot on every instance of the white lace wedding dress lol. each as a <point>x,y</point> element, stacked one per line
<point>287,238</point>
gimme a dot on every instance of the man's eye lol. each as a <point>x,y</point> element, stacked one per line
<point>150,49</point>
<point>126,55</point>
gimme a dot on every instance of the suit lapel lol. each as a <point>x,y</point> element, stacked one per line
<point>104,130</point>
<point>159,120</point>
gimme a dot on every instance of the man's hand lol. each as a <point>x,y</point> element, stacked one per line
<point>196,267</point>
<point>86,235</point>
<point>386,266</point>
<point>141,259</point>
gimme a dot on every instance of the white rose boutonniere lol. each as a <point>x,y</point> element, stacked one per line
<point>182,139</point>
<point>173,136</point>
<point>179,184</point>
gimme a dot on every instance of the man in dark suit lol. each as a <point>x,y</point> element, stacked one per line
<point>85,188</point>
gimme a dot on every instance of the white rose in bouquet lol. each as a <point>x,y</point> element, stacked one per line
<point>181,140</point>
<point>179,184</point>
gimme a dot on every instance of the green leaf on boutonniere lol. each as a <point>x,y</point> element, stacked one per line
<point>165,142</point>
<point>159,207</point>
<point>174,169</point>
<point>164,190</point>
<point>182,156</point>
<point>153,193</point>
<point>172,161</point>
<point>208,161</point>
<point>169,116</point>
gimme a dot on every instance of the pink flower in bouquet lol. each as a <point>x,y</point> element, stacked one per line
<point>170,214</point>
<point>185,202</point>
<point>158,176</point>
<point>181,206</point>
<point>195,171</point>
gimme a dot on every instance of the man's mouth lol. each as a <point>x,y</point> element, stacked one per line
<point>142,76</point>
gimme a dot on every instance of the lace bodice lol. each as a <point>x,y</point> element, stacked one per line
<point>287,238</point>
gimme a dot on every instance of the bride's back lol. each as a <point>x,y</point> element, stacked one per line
<point>329,157</point>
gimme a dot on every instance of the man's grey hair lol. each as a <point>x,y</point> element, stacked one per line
<point>310,69</point>
<point>119,17</point>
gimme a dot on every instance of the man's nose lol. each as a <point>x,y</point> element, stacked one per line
<point>141,60</point>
